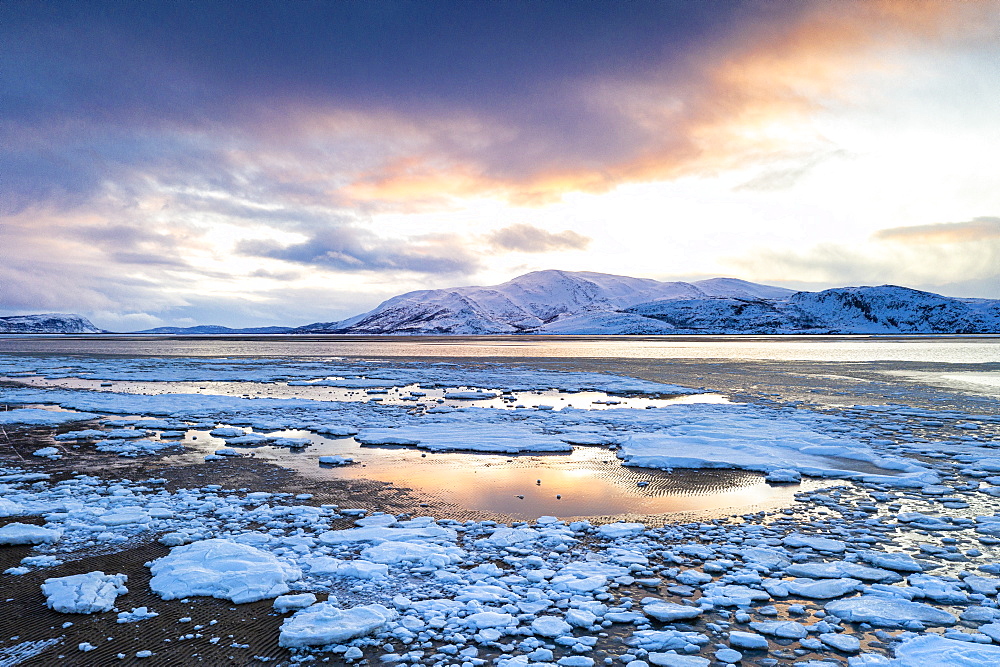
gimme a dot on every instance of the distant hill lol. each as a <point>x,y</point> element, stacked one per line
<point>215,329</point>
<point>849,310</point>
<point>47,323</point>
<point>587,303</point>
<point>568,302</point>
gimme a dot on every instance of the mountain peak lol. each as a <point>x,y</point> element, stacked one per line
<point>536,302</point>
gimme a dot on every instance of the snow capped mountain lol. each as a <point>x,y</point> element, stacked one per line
<point>47,323</point>
<point>566,302</point>
<point>587,303</point>
<point>528,303</point>
<point>850,310</point>
<point>741,289</point>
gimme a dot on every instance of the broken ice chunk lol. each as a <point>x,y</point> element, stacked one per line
<point>84,593</point>
<point>222,569</point>
<point>24,533</point>
<point>325,623</point>
<point>887,613</point>
<point>286,603</point>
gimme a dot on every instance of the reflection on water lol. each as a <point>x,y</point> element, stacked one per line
<point>986,379</point>
<point>970,381</point>
<point>590,481</point>
<point>942,349</point>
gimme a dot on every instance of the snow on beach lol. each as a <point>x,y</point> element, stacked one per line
<point>901,542</point>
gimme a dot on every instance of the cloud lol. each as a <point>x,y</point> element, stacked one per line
<point>978,229</point>
<point>352,249</point>
<point>782,174</point>
<point>924,265</point>
<point>527,238</point>
<point>746,96</point>
<point>142,142</point>
<point>554,100</point>
<point>110,258</point>
<point>282,276</point>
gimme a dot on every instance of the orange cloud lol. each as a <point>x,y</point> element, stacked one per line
<point>749,99</point>
<point>977,229</point>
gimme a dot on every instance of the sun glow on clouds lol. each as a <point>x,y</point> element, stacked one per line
<point>774,148</point>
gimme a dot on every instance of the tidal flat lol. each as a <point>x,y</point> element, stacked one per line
<point>570,501</point>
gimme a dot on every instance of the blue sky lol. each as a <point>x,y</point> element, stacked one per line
<point>256,163</point>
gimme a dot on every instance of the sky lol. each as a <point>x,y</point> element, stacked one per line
<point>281,163</point>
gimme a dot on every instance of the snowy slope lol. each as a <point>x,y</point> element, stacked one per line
<point>47,323</point>
<point>742,289</point>
<point>586,303</point>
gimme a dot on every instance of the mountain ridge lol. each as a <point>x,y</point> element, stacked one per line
<point>47,323</point>
<point>557,302</point>
<point>214,330</point>
<point>568,303</point>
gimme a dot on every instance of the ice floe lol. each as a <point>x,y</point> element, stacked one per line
<point>223,569</point>
<point>458,435</point>
<point>136,614</point>
<point>888,612</point>
<point>84,593</point>
<point>285,603</point>
<point>326,623</point>
<point>23,533</point>
<point>40,417</point>
<point>936,651</point>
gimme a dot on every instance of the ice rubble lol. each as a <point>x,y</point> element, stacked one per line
<point>544,592</point>
<point>558,583</point>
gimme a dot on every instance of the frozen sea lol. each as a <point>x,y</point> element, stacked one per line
<point>546,478</point>
<point>510,501</point>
